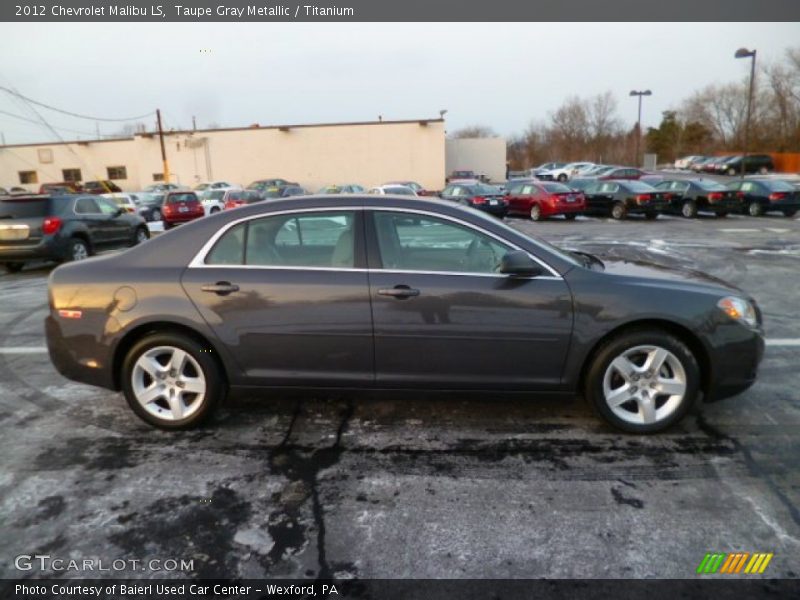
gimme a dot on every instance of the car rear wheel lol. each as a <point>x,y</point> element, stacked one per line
<point>722,214</point>
<point>14,267</point>
<point>643,381</point>
<point>214,209</point>
<point>536,213</point>
<point>618,211</point>
<point>651,216</point>
<point>570,217</point>
<point>731,171</point>
<point>78,249</point>
<point>562,178</point>
<point>171,381</point>
<point>790,213</point>
<point>156,215</point>
<point>754,209</point>
<point>689,209</point>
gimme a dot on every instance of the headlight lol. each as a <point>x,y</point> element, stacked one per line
<point>739,309</point>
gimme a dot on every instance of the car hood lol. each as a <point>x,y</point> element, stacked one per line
<point>647,272</point>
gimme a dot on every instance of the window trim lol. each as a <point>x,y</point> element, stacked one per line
<point>198,262</point>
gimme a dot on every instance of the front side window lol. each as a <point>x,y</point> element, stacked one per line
<point>107,207</point>
<point>410,242</point>
<point>323,239</point>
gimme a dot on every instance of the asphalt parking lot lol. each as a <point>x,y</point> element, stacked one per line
<point>417,486</point>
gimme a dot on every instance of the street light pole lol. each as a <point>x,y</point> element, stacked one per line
<point>745,53</point>
<point>639,121</point>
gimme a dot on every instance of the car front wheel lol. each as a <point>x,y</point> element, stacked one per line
<point>156,215</point>
<point>643,381</point>
<point>755,209</point>
<point>618,211</point>
<point>689,209</point>
<point>171,381</point>
<point>536,213</point>
<point>141,236</point>
<point>790,213</point>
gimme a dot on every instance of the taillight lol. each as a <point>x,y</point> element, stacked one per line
<point>642,198</point>
<point>715,196</point>
<point>554,199</point>
<point>777,196</point>
<point>51,225</point>
<point>479,200</point>
<point>667,196</point>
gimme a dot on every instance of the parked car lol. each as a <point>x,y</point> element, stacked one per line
<point>699,165</point>
<point>345,188</point>
<point>402,190</point>
<point>760,196</point>
<point>686,161</point>
<point>548,166</point>
<point>60,188</point>
<point>149,205</point>
<point>100,187</point>
<point>262,184</point>
<point>753,163</point>
<point>622,198</point>
<point>213,200</point>
<point>630,173</point>
<point>418,189</point>
<point>283,191</point>
<point>594,171</point>
<point>237,198</point>
<point>461,174</point>
<point>564,173</point>
<point>15,190</point>
<point>487,198</point>
<point>63,228</point>
<point>124,201</point>
<point>180,207</point>
<point>641,342</point>
<point>165,187</point>
<point>214,185</point>
<point>540,200</point>
<point>690,196</point>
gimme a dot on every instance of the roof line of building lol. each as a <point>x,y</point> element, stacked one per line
<point>255,126</point>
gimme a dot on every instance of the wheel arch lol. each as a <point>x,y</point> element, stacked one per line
<point>683,333</point>
<point>144,329</point>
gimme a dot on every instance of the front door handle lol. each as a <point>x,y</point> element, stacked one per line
<point>399,291</point>
<point>221,288</point>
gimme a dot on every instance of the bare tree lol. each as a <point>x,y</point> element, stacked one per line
<point>474,131</point>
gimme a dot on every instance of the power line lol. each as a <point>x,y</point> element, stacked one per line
<point>21,118</point>
<point>71,114</point>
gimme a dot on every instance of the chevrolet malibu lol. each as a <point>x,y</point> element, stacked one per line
<point>381,292</point>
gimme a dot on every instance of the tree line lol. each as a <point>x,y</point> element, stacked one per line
<point>711,120</point>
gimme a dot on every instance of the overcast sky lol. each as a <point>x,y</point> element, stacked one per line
<point>499,74</point>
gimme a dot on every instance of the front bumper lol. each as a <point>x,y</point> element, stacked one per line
<point>735,368</point>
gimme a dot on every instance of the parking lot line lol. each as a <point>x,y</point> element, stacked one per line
<point>24,350</point>
<point>784,342</point>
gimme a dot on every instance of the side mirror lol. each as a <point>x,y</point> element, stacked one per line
<point>519,264</point>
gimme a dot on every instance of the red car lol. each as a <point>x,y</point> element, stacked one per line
<point>180,207</point>
<point>62,187</point>
<point>543,199</point>
<point>236,198</point>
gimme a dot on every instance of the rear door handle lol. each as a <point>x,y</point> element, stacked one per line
<point>221,288</point>
<point>399,291</point>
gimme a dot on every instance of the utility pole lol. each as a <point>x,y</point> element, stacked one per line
<point>639,121</point>
<point>194,124</point>
<point>745,53</point>
<point>163,151</point>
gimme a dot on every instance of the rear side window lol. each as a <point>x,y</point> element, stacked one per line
<point>24,209</point>
<point>229,249</point>
<point>86,206</point>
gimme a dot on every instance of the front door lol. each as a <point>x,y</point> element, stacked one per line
<point>444,317</point>
<point>288,295</point>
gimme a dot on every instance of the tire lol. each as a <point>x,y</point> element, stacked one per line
<point>166,225</point>
<point>14,267</point>
<point>754,209</point>
<point>790,213</point>
<point>171,406</point>
<point>141,235</point>
<point>536,213</point>
<point>626,394</point>
<point>651,216</point>
<point>77,249</point>
<point>722,214</point>
<point>570,216</point>
<point>731,172</point>
<point>562,177</point>
<point>619,211</point>
<point>689,209</point>
<point>155,215</point>
<point>214,209</point>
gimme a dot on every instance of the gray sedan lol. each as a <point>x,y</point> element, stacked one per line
<point>381,292</point>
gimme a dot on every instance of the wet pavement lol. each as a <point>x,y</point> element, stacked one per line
<point>415,485</point>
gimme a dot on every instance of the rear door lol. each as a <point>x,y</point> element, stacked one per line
<point>444,317</point>
<point>118,223</point>
<point>288,295</point>
<point>97,224</point>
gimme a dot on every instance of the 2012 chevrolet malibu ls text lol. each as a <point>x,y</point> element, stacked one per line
<point>353,293</point>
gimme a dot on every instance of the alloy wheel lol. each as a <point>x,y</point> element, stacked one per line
<point>168,383</point>
<point>79,251</point>
<point>644,385</point>
<point>141,236</point>
<point>536,212</point>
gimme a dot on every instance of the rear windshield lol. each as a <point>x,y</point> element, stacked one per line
<point>24,208</point>
<point>245,196</point>
<point>778,186</point>
<point>711,186</point>
<point>556,188</point>
<point>637,186</point>
<point>173,198</point>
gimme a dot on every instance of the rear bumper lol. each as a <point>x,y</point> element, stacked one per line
<point>499,210</point>
<point>178,220</point>
<point>64,357</point>
<point>651,207</point>
<point>49,248</point>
